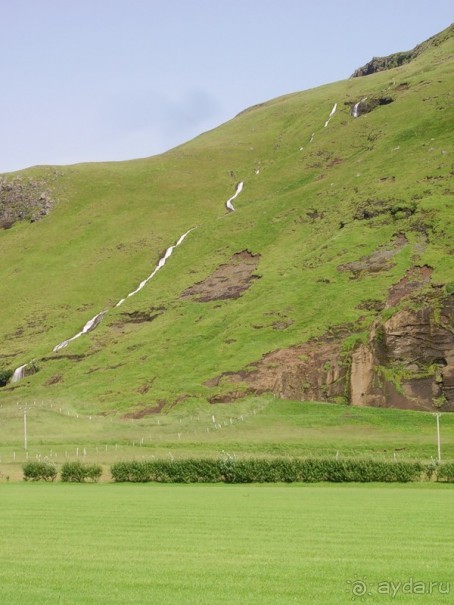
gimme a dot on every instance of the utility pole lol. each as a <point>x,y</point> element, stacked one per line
<point>25,429</point>
<point>437,416</point>
<point>25,426</point>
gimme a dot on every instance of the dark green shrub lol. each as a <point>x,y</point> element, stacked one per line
<point>77,472</point>
<point>446,472</point>
<point>5,375</point>
<point>37,471</point>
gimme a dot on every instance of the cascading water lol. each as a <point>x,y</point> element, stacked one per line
<point>333,111</point>
<point>228,204</point>
<point>88,327</point>
<point>95,321</point>
<point>355,110</point>
<point>161,263</point>
<point>19,373</point>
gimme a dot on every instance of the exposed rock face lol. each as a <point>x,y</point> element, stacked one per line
<point>368,104</point>
<point>362,376</point>
<point>314,370</point>
<point>227,281</point>
<point>397,59</point>
<point>422,351</point>
<point>384,63</point>
<point>408,362</point>
<point>413,280</point>
<point>23,199</point>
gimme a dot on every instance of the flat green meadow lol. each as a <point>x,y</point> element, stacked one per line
<point>256,426</point>
<point>107,544</point>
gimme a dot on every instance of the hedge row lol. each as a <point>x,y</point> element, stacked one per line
<point>231,470</point>
<point>70,471</point>
<point>267,471</point>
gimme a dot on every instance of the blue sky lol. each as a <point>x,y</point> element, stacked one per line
<point>93,80</point>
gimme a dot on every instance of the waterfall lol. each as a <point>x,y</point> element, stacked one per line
<point>94,321</point>
<point>228,203</point>
<point>19,373</point>
<point>333,111</point>
<point>88,327</point>
<point>355,110</point>
<point>161,263</point>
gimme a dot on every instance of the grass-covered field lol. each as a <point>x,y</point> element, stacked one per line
<point>267,545</point>
<point>254,427</point>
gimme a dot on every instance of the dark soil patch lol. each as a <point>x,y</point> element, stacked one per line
<point>54,379</point>
<point>234,376</point>
<point>413,280</point>
<point>315,214</point>
<point>137,317</point>
<point>371,304</point>
<point>282,325</point>
<point>156,409</point>
<point>388,208</point>
<point>146,411</point>
<point>116,366</point>
<point>73,357</point>
<point>380,260</point>
<point>227,281</point>
<point>144,388</point>
<point>230,397</point>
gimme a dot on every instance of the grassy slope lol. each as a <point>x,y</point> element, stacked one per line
<point>116,544</point>
<point>113,221</point>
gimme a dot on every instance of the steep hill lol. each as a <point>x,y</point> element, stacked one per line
<point>316,262</point>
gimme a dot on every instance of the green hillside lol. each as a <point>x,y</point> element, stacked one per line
<point>331,281</point>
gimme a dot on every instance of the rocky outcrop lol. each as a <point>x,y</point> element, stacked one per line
<point>368,104</point>
<point>401,58</point>
<point>314,370</point>
<point>23,200</point>
<point>406,362</point>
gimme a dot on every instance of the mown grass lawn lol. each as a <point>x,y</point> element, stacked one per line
<point>178,544</point>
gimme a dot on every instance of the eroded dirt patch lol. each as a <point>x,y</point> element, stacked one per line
<point>310,371</point>
<point>227,281</point>
<point>413,280</point>
<point>379,260</point>
<point>155,409</point>
<point>56,378</point>
<point>138,317</point>
<point>148,411</point>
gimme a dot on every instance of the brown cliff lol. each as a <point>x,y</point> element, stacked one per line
<point>406,362</point>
